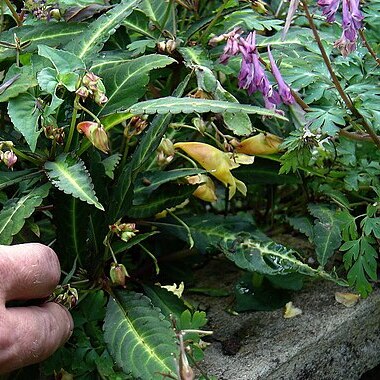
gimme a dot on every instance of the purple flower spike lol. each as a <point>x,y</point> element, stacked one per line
<point>329,8</point>
<point>283,88</point>
<point>232,45</point>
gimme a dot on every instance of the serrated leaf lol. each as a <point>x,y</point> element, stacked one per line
<point>125,83</point>
<point>24,115</point>
<point>209,230</point>
<point>151,139</point>
<point>110,163</point>
<point>15,211</point>
<point>138,337</point>
<point>23,79</point>
<point>138,22</point>
<point>63,61</point>
<point>69,174</point>
<point>303,225</point>
<point>189,105</point>
<point>10,178</point>
<point>51,34</point>
<point>268,258</point>
<point>93,38</point>
<point>158,12</point>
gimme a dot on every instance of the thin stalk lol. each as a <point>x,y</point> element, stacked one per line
<point>83,108</point>
<point>335,80</point>
<point>214,20</point>
<point>368,46</point>
<point>150,254</point>
<point>125,153</point>
<point>72,124</point>
<point>14,13</point>
<point>25,157</point>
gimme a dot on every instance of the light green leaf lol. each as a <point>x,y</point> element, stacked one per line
<point>189,105</point>
<point>138,337</point>
<point>138,22</point>
<point>63,61</point>
<point>15,211</point>
<point>24,115</point>
<point>110,163</point>
<point>25,80</point>
<point>303,225</point>
<point>92,40</point>
<point>69,80</point>
<point>69,174</point>
<point>47,80</point>
<point>125,83</point>
<point>268,258</point>
<point>156,10</point>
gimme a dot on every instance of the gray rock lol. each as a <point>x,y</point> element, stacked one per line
<point>326,342</point>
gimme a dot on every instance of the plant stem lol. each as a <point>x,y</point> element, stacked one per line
<point>368,46</point>
<point>26,157</point>
<point>83,108</point>
<point>214,20</point>
<point>335,80</point>
<point>72,124</point>
<point>14,13</point>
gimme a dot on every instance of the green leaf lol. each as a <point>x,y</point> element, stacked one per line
<point>69,174</point>
<point>189,105</point>
<point>63,61</point>
<point>138,22</point>
<point>151,139</point>
<point>110,163</point>
<point>51,34</point>
<point>15,211</point>
<point>93,38</point>
<point>123,246</point>
<point>147,182</point>
<point>165,197</point>
<point>10,178</point>
<point>303,225</point>
<point>25,80</point>
<point>326,231</point>
<point>157,11</point>
<point>209,230</point>
<point>47,80</point>
<point>125,83</point>
<point>138,337</point>
<point>268,258</point>
<point>371,226</point>
<point>24,115</point>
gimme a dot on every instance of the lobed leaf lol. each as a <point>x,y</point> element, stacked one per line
<point>138,337</point>
<point>69,174</point>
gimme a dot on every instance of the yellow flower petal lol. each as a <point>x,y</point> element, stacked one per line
<point>263,143</point>
<point>347,299</point>
<point>291,311</point>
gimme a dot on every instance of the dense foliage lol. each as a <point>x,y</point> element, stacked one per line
<point>142,137</point>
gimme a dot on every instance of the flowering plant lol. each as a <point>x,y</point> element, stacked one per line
<point>141,137</point>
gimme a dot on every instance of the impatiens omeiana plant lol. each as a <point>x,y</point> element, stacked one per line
<point>141,137</point>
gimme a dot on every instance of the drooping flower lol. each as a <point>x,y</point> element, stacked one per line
<point>9,158</point>
<point>95,133</point>
<point>283,88</point>
<point>263,143</point>
<point>351,19</point>
<point>232,44</point>
<point>206,188</point>
<point>345,45</point>
<point>329,8</point>
<point>217,163</point>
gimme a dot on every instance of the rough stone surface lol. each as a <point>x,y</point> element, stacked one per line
<point>326,342</point>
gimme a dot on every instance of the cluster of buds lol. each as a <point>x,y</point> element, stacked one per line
<point>136,125</point>
<point>93,87</point>
<point>42,9</point>
<point>65,295</point>
<point>118,274</point>
<point>252,76</point>
<point>167,47</point>
<point>7,156</point>
<point>55,133</point>
<point>95,133</point>
<point>351,22</point>
<point>125,231</point>
<point>165,152</point>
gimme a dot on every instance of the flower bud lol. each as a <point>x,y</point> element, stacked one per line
<point>118,274</point>
<point>200,124</point>
<point>206,190</point>
<point>263,143</point>
<point>9,158</point>
<point>136,125</point>
<point>95,133</point>
<point>83,92</point>
<point>90,80</point>
<point>166,146</point>
<point>55,13</point>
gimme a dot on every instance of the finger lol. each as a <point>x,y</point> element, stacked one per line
<point>30,334</point>
<point>27,271</point>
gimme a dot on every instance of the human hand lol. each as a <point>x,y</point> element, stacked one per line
<point>30,334</point>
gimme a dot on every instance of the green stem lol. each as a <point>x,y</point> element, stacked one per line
<point>14,13</point>
<point>335,80</point>
<point>214,21</point>
<point>24,156</point>
<point>150,254</point>
<point>83,108</point>
<point>72,124</point>
<point>187,158</point>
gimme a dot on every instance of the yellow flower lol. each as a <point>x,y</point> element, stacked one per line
<point>263,143</point>
<point>206,188</point>
<point>216,162</point>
